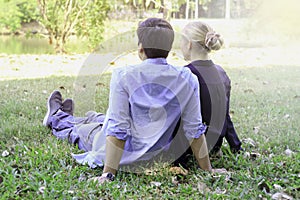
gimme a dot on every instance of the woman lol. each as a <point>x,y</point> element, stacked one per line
<point>198,40</point>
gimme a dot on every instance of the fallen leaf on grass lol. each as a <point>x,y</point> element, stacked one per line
<point>265,82</point>
<point>251,155</point>
<point>219,171</point>
<point>156,184</point>
<point>175,180</point>
<point>202,188</point>
<point>271,155</point>
<point>151,172</point>
<point>264,186</point>
<point>261,197</point>
<point>5,153</point>
<point>254,155</point>
<point>178,170</point>
<point>288,152</point>
<point>286,116</point>
<point>220,191</point>
<point>82,177</point>
<point>256,129</point>
<point>228,178</point>
<point>42,189</point>
<point>249,141</point>
<point>249,90</point>
<point>277,187</point>
<point>100,84</point>
<point>71,192</point>
<point>281,196</point>
<point>20,190</point>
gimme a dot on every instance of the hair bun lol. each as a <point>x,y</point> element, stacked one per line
<point>213,40</point>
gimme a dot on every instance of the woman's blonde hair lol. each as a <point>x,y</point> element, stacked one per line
<point>203,34</point>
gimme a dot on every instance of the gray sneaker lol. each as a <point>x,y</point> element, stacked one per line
<point>68,106</point>
<point>53,104</point>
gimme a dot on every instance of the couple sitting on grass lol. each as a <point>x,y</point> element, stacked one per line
<point>155,109</point>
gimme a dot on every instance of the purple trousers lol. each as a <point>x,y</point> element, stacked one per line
<point>78,130</point>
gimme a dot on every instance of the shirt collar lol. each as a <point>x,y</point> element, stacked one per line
<point>157,61</point>
<point>206,63</point>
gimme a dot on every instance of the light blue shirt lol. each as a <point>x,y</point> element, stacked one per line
<point>146,101</point>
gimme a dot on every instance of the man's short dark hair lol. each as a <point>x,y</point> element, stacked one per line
<point>156,36</point>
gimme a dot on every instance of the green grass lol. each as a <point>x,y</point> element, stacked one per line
<point>39,166</point>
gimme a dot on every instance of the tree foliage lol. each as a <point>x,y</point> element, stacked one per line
<point>61,18</point>
<point>15,12</point>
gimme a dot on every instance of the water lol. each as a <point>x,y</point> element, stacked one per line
<point>36,45</point>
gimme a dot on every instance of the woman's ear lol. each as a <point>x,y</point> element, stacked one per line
<point>189,45</point>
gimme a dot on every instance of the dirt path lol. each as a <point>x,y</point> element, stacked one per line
<point>38,66</point>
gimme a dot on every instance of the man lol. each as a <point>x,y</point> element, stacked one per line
<point>146,103</point>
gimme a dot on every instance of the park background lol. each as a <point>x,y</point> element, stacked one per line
<point>43,45</point>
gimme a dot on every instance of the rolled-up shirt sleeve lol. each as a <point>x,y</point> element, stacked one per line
<point>118,116</point>
<point>191,116</point>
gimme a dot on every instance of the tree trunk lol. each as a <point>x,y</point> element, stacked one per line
<point>167,10</point>
<point>187,9</point>
<point>60,45</point>
<point>196,9</point>
<point>227,9</point>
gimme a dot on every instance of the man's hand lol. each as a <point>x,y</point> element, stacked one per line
<point>105,177</point>
<point>99,180</point>
<point>199,148</point>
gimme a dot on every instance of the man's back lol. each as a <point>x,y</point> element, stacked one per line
<point>147,100</point>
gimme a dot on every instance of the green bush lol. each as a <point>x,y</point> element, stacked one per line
<point>15,12</point>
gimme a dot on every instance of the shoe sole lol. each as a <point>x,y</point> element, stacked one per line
<point>47,116</point>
